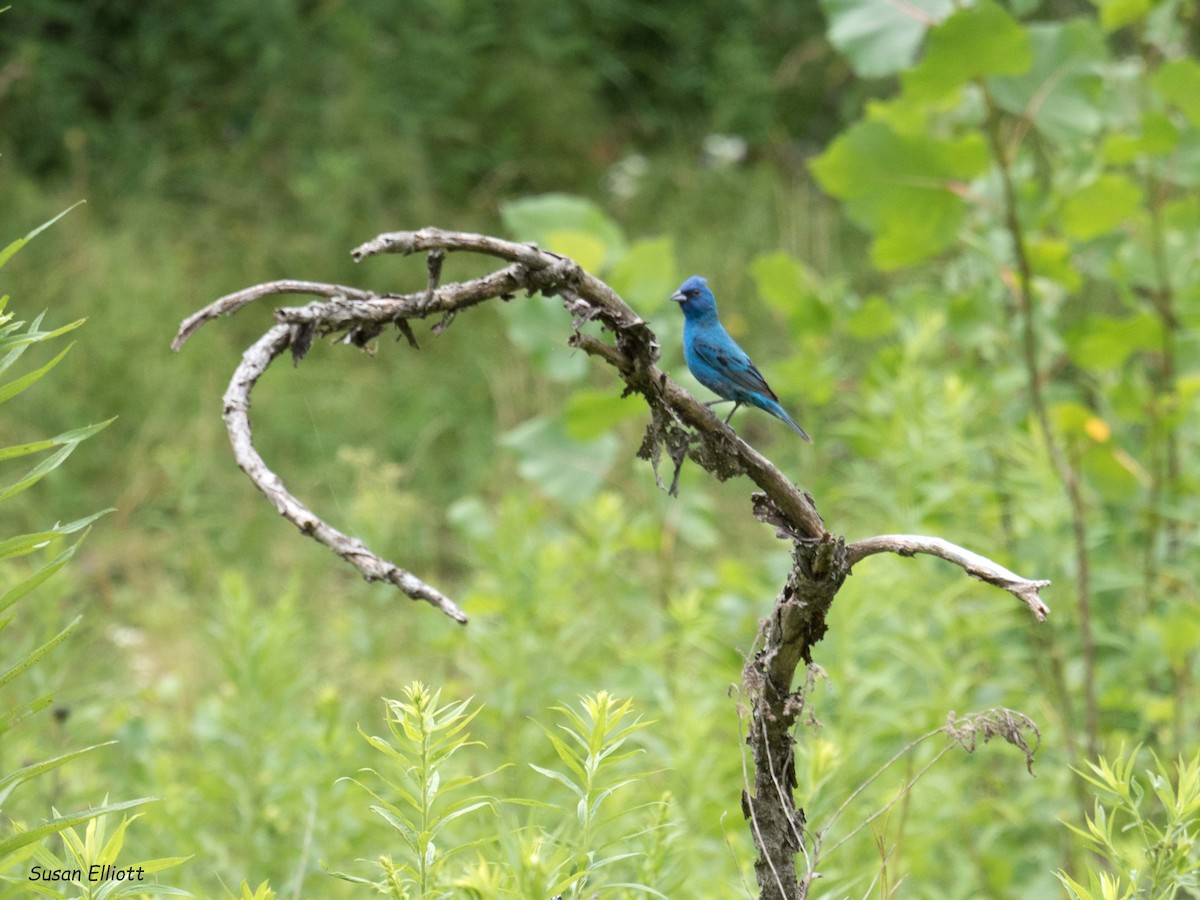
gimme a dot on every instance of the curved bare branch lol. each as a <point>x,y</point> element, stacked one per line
<point>1024,589</point>
<point>680,424</point>
<point>237,422</point>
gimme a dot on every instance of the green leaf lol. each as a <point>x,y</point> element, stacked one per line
<point>16,714</point>
<point>590,414</point>
<point>17,385</point>
<point>788,287</point>
<point>539,326</point>
<point>29,583</point>
<point>566,224</point>
<point>1110,473</point>
<point>1158,137</point>
<point>1062,94</point>
<point>8,252</point>
<point>647,274</point>
<point>37,653</point>
<point>1179,82</point>
<point>24,544</point>
<point>1100,207</point>
<point>570,471</point>
<point>879,37</point>
<point>779,278</point>
<point>902,188</point>
<point>1103,343</point>
<point>1051,258</point>
<point>61,823</point>
<point>974,42</point>
<point>38,472</point>
<point>16,345</point>
<point>1116,14</point>
<point>873,320</point>
<point>10,782</point>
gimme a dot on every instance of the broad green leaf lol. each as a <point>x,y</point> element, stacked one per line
<point>902,188</point>
<point>780,279</point>
<point>546,217</point>
<point>1179,82</point>
<point>567,470</point>
<point>879,37</point>
<point>1101,206</point>
<point>590,414</point>
<point>1109,470</point>
<point>1062,93</point>
<point>1103,343</point>
<point>1051,258</point>
<point>873,319</point>
<point>647,274</point>
<point>1116,14</point>
<point>540,326</point>
<point>1158,137</point>
<point>975,42</point>
<point>788,287</point>
<point>586,249</point>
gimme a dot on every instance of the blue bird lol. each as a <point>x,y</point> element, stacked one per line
<point>717,361</point>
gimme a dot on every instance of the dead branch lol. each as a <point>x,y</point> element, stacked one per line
<point>680,426</point>
<point>680,423</point>
<point>1024,589</point>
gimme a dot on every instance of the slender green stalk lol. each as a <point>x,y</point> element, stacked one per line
<point>1067,473</point>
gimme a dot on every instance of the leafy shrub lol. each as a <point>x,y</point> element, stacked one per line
<point>30,842</point>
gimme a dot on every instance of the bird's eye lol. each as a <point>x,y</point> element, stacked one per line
<point>692,293</point>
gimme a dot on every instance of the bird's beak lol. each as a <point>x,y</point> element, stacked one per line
<point>678,297</point>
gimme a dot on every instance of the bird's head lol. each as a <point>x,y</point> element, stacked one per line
<point>695,299</point>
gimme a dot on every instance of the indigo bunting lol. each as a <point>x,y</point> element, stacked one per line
<point>717,361</point>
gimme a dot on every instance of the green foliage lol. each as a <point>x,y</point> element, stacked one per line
<point>975,42</point>
<point>1147,838</point>
<point>90,83</point>
<point>1068,209</point>
<point>570,855</point>
<point>424,738</point>
<point>881,38</point>
<point>31,842</point>
<point>234,689</point>
<point>902,186</point>
<point>96,856</point>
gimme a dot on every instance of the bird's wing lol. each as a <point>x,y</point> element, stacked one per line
<point>722,353</point>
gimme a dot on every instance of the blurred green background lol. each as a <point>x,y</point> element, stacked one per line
<point>224,145</point>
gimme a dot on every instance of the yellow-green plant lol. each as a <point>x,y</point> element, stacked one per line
<point>1149,839</point>
<point>567,849</point>
<point>102,871</point>
<point>22,842</point>
<point>425,736</point>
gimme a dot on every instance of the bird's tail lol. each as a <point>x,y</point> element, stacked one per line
<point>780,413</point>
